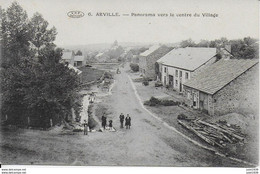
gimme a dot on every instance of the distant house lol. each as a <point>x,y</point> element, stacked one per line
<point>135,59</point>
<point>68,56</point>
<point>229,85</point>
<point>129,56</point>
<point>148,59</point>
<point>79,61</point>
<point>101,57</point>
<point>182,64</point>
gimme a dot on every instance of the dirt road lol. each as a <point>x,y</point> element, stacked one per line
<point>149,142</point>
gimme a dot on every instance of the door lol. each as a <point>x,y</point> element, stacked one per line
<point>201,105</point>
<point>171,80</point>
<point>180,87</point>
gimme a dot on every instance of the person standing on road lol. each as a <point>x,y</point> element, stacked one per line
<point>104,121</point>
<point>127,121</point>
<point>110,125</point>
<point>122,117</point>
<point>85,125</point>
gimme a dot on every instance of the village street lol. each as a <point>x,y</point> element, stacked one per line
<point>149,141</point>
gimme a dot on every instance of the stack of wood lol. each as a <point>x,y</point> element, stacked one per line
<point>215,134</point>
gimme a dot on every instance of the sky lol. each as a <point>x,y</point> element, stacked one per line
<point>236,19</point>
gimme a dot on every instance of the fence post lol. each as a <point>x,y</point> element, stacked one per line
<point>28,121</point>
<point>51,122</point>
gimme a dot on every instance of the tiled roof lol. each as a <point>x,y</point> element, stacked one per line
<point>189,58</point>
<point>67,55</point>
<point>219,74</point>
<point>150,50</point>
<point>79,58</point>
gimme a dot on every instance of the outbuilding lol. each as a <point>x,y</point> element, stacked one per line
<point>229,85</point>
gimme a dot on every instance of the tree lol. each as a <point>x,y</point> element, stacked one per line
<point>246,48</point>
<point>41,36</point>
<point>203,43</point>
<point>79,53</point>
<point>35,85</point>
<point>187,43</point>
<point>15,34</point>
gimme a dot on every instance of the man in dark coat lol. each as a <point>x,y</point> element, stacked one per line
<point>104,121</point>
<point>122,117</point>
<point>85,125</point>
<point>127,121</point>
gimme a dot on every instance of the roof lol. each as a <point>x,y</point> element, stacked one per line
<point>219,74</point>
<point>67,55</point>
<point>79,58</point>
<point>150,50</point>
<point>99,54</point>
<point>189,58</point>
<point>74,68</point>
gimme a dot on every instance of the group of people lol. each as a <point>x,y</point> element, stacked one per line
<point>122,119</point>
<point>127,120</point>
<point>104,123</point>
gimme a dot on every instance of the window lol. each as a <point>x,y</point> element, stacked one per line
<point>176,82</point>
<point>180,73</point>
<point>165,70</point>
<point>176,73</point>
<point>186,75</point>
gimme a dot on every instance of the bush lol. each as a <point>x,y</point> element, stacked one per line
<point>168,103</point>
<point>182,117</point>
<point>145,83</point>
<point>134,67</point>
<point>92,123</point>
<point>158,84</point>
<point>155,101</point>
<point>108,75</point>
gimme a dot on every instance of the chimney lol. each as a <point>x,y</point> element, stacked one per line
<point>225,53</point>
<point>228,47</point>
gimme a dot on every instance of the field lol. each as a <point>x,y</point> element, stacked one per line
<point>90,74</point>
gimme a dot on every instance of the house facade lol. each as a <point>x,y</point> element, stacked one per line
<point>148,59</point>
<point>79,61</point>
<point>229,85</point>
<point>68,57</point>
<point>182,64</point>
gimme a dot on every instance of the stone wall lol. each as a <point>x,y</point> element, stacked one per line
<point>240,96</point>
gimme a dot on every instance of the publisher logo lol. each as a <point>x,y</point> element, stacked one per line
<point>75,14</point>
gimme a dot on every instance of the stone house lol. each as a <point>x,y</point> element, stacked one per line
<point>182,64</point>
<point>148,59</point>
<point>229,85</point>
<point>79,61</point>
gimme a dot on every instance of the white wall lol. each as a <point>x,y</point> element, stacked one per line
<point>177,79</point>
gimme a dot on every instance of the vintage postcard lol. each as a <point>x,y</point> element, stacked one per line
<point>169,83</point>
